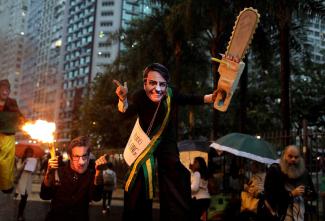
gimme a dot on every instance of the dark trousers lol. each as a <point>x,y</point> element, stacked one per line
<point>174,190</point>
<point>22,205</point>
<point>136,205</point>
<point>107,196</point>
<point>198,207</point>
<point>174,195</point>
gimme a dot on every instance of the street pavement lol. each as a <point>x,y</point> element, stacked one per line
<point>37,208</point>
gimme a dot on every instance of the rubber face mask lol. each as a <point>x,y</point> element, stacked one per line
<point>155,86</point>
<point>4,92</point>
<point>79,159</point>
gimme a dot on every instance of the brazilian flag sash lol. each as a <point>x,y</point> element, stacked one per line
<point>145,160</point>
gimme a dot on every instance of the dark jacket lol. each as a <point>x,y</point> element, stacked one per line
<point>10,117</point>
<point>70,200</point>
<point>277,196</point>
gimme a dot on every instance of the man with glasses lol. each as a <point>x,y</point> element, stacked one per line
<point>156,106</point>
<point>81,181</point>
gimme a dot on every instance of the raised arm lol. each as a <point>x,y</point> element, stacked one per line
<point>121,91</point>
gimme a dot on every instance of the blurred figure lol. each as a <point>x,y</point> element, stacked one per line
<point>10,117</point>
<point>287,187</point>
<point>199,188</point>
<point>25,168</point>
<point>253,192</point>
<point>236,177</point>
<point>255,185</point>
<point>322,186</point>
<point>81,181</point>
<point>109,177</point>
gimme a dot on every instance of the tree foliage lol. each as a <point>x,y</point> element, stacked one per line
<point>183,35</point>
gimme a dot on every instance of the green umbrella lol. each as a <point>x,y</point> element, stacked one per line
<point>247,146</point>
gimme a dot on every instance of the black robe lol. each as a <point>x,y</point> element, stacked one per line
<point>173,177</point>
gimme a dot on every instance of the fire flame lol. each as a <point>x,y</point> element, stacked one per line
<point>40,130</point>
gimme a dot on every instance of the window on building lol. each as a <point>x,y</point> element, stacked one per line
<point>104,44</point>
<point>107,3</point>
<point>89,38</point>
<point>106,23</point>
<point>107,13</point>
<point>105,55</point>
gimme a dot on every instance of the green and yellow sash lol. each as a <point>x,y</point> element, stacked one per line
<point>146,159</point>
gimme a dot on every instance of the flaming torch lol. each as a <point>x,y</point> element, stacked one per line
<point>43,131</point>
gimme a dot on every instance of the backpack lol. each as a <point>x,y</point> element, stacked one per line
<point>108,180</point>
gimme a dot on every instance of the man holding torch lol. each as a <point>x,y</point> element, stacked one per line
<point>81,181</point>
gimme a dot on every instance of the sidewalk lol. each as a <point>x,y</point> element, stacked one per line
<point>118,194</point>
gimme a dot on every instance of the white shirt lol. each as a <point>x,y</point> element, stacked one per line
<point>199,187</point>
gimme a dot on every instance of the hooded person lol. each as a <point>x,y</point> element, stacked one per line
<point>10,117</point>
<point>155,106</point>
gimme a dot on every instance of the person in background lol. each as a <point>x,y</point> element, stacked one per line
<point>253,192</point>
<point>199,188</point>
<point>287,187</point>
<point>156,107</point>
<point>25,168</point>
<point>109,177</point>
<point>81,181</point>
<point>10,118</point>
<point>255,185</point>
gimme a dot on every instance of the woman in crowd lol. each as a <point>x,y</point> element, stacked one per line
<point>25,168</point>
<point>199,188</point>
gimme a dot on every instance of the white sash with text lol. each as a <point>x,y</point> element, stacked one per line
<point>138,141</point>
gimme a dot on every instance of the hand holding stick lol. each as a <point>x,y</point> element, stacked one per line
<point>53,164</point>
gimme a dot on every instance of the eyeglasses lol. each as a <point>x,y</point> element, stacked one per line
<point>83,157</point>
<point>155,83</point>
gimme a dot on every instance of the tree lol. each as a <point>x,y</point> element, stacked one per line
<point>179,35</point>
<point>283,12</point>
<point>141,49</point>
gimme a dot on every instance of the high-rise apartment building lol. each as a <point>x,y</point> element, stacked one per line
<point>28,76</point>
<point>12,32</point>
<point>42,63</point>
<point>316,39</point>
<point>89,49</point>
<point>55,48</point>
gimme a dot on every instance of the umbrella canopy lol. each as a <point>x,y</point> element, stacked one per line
<point>189,149</point>
<point>21,147</point>
<point>247,146</point>
<point>192,145</point>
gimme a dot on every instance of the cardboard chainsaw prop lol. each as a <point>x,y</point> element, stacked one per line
<point>229,69</point>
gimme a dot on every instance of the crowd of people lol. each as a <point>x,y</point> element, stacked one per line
<point>281,189</point>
